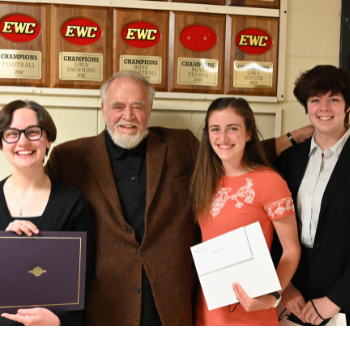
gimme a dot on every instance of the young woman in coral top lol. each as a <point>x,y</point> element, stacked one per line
<point>233,186</point>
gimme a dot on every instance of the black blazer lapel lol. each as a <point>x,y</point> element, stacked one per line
<point>339,174</point>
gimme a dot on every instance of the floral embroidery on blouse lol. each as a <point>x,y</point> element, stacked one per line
<point>279,207</point>
<point>222,196</point>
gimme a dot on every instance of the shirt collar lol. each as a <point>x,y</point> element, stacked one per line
<point>335,149</point>
<point>117,152</point>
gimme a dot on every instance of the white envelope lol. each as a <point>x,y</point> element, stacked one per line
<point>238,256</point>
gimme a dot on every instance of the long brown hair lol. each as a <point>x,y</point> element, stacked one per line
<point>209,169</point>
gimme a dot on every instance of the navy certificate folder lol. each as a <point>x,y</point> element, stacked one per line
<point>45,270</point>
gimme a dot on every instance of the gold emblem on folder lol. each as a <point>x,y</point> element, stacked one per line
<point>38,271</point>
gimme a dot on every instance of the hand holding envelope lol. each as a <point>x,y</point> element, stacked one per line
<point>253,304</point>
<point>240,256</point>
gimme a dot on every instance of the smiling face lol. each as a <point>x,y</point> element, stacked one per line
<point>25,153</point>
<point>126,111</point>
<point>228,136</point>
<point>327,113</point>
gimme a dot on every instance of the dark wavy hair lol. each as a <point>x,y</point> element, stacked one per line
<point>44,118</point>
<point>209,169</point>
<point>319,81</point>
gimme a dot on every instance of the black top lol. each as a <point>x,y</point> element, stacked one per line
<point>129,170</point>
<point>66,210</point>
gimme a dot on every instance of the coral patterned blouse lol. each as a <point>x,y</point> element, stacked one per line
<point>260,195</point>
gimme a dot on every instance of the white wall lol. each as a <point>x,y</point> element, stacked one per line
<point>313,37</point>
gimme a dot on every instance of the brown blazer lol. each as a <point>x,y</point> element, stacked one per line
<point>169,228</point>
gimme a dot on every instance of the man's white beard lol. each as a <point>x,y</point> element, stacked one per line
<point>128,142</point>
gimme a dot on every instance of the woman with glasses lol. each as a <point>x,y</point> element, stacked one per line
<point>31,201</point>
<point>318,175</point>
<point>232,186</point>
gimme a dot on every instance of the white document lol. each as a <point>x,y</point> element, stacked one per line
<point>238,256</point>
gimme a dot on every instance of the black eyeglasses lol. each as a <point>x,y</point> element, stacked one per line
<point>32,133</point>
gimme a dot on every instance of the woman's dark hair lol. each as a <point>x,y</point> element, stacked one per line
<point>209,169</point>
<point>319,81</point>
<point>44,118</point>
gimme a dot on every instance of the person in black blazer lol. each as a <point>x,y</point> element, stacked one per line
<point>318,175</point>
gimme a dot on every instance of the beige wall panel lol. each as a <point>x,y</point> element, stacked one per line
<point>198,123</point>
<point>202,105</point>
<point>293,117</point>
<point>171,119</point>
<point>56,100</point>
<point>74,123</point>
<point>313,34</point>
<point>327,6</point>
<point>165,104</point>
<point>266,125</point>
<point>296,65</point>
<point>100,122</point>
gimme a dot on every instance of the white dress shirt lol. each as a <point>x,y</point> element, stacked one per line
<point>317,174</point>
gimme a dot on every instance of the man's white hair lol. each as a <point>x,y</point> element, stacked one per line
<point>128,74</point>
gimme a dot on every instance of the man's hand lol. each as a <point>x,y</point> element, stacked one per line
<point>19,226</point>
<point>325,308</point>
<point>302,134</point>
<point>34,317</point>
<point>294,301</point>
<point>260,303</point>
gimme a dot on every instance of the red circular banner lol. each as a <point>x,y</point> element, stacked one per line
<point>254,41</point>
<point>141,34</point>
<point>81,31</point>
<point>19,28</point>
<point>198,38</point>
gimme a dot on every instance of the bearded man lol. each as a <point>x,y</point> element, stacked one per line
<point>135,180</point>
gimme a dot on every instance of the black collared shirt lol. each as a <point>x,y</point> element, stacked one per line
<point>129,170</point>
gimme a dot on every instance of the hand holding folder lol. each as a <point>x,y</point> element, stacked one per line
<point>240,256</point>
<point>46,270</point>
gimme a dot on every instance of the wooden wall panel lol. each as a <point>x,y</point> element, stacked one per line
<point>206,2</point>
<point>235,24</point>
<point>42,43</point>
<point>275,4</point>
<point>217,24</point>
<point>104,18</point>
<point>158,18</point>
